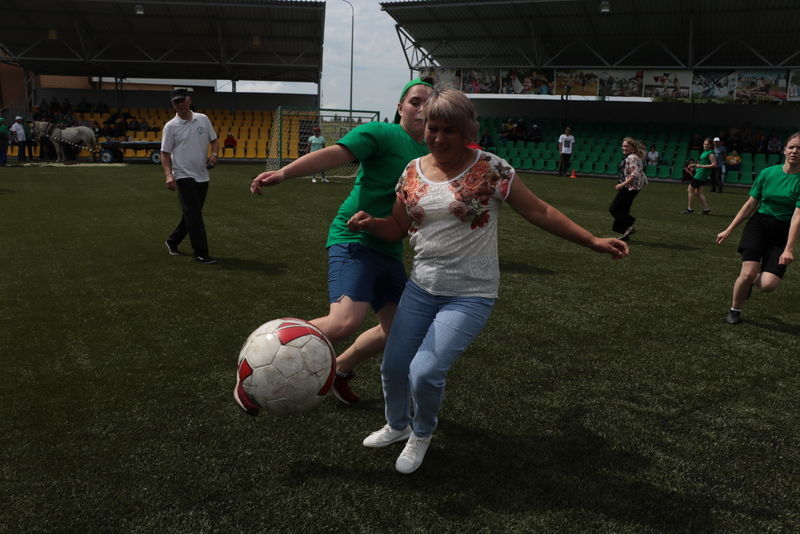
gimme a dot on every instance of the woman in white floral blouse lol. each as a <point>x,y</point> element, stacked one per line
<point>631,181</point>
<point>448,203</point>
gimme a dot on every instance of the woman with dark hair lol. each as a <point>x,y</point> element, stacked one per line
<point>448,202</point>
<point>631,181</point>
<point>705,165</point>
<point>363,271</point>
<point>767,245</point>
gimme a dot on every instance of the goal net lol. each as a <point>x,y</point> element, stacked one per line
<point>291,128</point>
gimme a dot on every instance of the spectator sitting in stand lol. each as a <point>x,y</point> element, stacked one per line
<point>229,143</point>
<point>774,144</point>
<point>652,156</point>
<point>83,106</point>
<point>66,107</point>
<point>536,134</point>
<point>101,107</point>
<point>134,126</point>
<point>55,106</point>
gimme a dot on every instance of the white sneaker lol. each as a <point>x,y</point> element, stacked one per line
<point>413,454</point>
<point>386,436</point>
<point>313,180</point>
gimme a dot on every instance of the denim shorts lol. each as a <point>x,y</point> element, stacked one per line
<point>358,272</point>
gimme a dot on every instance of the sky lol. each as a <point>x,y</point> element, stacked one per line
<point>379,65</point>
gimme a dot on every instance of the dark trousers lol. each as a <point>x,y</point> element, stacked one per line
<point>620,209</point>
<point>563,167</point>
<point>716,180</point>
<point>192,196</point>
<point>21,150</point>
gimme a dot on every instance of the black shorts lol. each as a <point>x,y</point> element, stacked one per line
<point>763,240</point>
<point>696,184</point>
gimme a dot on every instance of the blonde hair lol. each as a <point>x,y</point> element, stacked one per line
<point>640,149</point>
<point>451,106</point>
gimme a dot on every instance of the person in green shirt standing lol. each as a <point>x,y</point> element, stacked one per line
<point>767,245</point>
<point>363,271</point>
<point>703,169</point>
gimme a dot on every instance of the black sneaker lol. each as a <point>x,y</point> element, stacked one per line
<point>734,317</point>
<point>172,249</point>
<point>208,260</point>
<point>688,211</point>
<point>706,212</point>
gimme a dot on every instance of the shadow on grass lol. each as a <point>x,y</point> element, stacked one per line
<point>6,191</point>
<point>669,246</point>
<point>239,264</point>
<point>523,268</point>
<point>776,324</point>
<point>467,471</point>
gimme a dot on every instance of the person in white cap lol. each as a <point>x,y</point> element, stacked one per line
<point>18,137</point>
<point>184,145</point>
<point>718,176</point>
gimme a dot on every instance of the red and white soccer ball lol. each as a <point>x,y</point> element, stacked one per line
<point>286,366</point>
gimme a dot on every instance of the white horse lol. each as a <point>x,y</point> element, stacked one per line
<point>79,136</point>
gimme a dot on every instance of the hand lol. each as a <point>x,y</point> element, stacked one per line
<point>212,161</point>
<point>692,166</point>
<point>360,222</point>
<point>786,258</point>
<point>722,236</point>
<point>618,187</point>
<point>617,248</point>
<point>170,183</point>
<point>266,179</point>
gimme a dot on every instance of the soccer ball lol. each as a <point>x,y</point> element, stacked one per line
<point>286,366</point>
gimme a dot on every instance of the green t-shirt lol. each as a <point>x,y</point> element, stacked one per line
<point>702,175</point>
<point>383,151</point>
<point>778,192</point>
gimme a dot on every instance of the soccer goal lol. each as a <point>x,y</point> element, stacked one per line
<point>291,128</point>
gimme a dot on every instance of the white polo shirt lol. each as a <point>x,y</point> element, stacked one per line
<point>187,143</point>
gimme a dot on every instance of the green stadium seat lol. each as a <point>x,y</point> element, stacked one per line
<point>586,166</point>
<point>733,177</point>
<point>611,168</point>
<point>538,164</point>
<point>663,171</point>
<point>773,159</point>
<point>527,164</point>
<point>550,165</point>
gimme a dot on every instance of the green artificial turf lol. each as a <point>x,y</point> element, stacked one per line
<point>603,396</point>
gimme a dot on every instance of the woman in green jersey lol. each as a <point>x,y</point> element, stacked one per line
<point>363,271</point>
<point>767,245</point>
<point>703,169</point>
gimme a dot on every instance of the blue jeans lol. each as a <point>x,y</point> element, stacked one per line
<point>428,334</point>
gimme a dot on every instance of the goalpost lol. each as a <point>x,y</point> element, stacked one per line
<point>292,126</point>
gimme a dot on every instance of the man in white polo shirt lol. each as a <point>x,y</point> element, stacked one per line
<point>184,145</point>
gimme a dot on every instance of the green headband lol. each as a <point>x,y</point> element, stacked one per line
<point>406,87</point>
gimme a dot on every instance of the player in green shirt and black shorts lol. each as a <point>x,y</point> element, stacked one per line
<point>703,169</point>
<point>767,245</point>
<point>364,271</point>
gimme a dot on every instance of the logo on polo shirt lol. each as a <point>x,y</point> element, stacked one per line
<point>200,130</point>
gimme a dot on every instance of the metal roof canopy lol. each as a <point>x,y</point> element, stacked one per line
<point>668,34</point>
<point>228,39</point>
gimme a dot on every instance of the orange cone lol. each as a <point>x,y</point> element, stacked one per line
<point>573,175</point>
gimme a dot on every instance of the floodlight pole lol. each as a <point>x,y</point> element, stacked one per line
<point>352,33</point>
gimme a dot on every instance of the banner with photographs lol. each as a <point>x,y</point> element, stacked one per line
<point>793,91</point>
<point>481,81</point>
<point>703,86</point>
<point>443,78</point>
<point>758,86</point>
<point>576,82</point>
<point>668,85</point>
<point>620,83</point>
<point>714,86</point>
<point>526,81</point>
